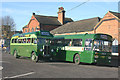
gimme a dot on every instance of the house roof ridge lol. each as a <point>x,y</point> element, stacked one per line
<point>87,19</point>
<point>49,16</point>
<point>116,14</point>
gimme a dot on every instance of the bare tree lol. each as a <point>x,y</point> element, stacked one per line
<point>9,21</point>
<point>8,26</point>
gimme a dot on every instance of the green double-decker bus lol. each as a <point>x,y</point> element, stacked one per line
<point>85,48</point>
<point>35,45</point>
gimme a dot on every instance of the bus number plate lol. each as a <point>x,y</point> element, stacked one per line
<point>102,56</point>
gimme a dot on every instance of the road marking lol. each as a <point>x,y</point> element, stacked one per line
<point>1,67</point>
<point>20,75</point>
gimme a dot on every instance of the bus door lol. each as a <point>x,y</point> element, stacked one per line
<point>88,52</point>
<point>47,48</point>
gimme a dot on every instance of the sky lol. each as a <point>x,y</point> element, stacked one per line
<point>21,12</point>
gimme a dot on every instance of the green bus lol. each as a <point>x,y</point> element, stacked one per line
<point>34,45</point>
<point>85,48</point>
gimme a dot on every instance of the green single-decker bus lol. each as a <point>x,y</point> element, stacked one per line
<point>85,48</point>
<point>34,45</point>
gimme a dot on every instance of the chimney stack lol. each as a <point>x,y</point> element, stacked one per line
<point>61,15</point>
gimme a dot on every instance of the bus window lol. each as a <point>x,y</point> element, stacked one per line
<point>12,40</point>
<point>15,40</point>
<point>47,41</point>
<point>101,45</point>
<point>57,42</point>
<point>67,42</point>
<point>24,40</point>
<point>77,42</point>
<point>40,40</point>
<point>88,44</point>
<point>19,40</point>
<point>28,40</point>
<point>52,42</point>
<point>35,41</point>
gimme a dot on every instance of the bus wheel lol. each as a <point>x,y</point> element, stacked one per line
<point>77,59</point>
<point>15,54</point>
<point>34,57</point>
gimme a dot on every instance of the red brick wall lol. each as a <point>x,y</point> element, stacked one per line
<point>108,27</point>
<point>33,24</point>
<point>119,38</point>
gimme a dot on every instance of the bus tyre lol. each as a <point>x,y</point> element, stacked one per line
<point>77,59</point>
<point>34,57</point>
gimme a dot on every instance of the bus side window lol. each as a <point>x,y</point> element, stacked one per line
<point>24,40</point>
<point>35,41</point>
<point>12,40</point>
<point>68,42</point>
<point>19,40</point>
<point>52,42</point>
<point>15,40</point>
<point>88,44</point>
<point>28,40</point>
<point>77,42</point>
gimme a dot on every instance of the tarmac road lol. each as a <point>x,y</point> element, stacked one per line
<point>25,68</point>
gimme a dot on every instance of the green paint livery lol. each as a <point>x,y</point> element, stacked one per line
<point>25,45</point>
<point>94,48</point>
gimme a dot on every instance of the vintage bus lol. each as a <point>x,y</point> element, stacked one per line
<point>85,48</point>
<point>34,45</point>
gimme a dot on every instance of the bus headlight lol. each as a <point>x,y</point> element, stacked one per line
<point>95,60</point>
<point>41,50</point>
<point>96,56</point>
<point>109,57</point>
<point>52,50</point>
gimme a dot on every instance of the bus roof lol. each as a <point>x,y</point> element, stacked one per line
<point>37,33</point>
<point>77,36</point>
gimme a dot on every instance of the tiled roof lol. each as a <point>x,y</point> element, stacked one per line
<point>77,26</point>
<point>115,13</point>
<point>50,20</point>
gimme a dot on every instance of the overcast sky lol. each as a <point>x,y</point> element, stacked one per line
<point>21,12</point>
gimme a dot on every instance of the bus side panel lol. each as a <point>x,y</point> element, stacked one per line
<point>86,57</point>
<point>23,50</point>
<point>26,50</point>
<point>70,55</point>
<point>66,55</point>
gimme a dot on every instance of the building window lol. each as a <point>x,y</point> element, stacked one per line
<point>32,29</point>
<point>26,30</point>
<point>29,30</point>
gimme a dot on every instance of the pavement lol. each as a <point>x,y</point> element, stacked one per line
<point>25,68</point>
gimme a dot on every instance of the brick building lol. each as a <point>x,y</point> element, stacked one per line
<point>109,24</point>
<point>46,23</point>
